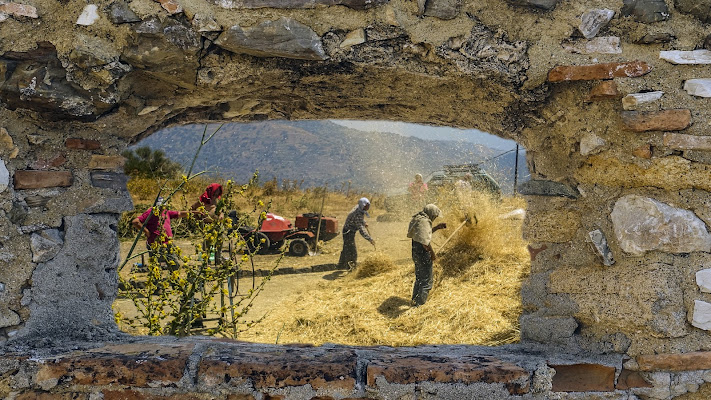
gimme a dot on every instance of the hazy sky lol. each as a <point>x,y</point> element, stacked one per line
<point>430,132</point>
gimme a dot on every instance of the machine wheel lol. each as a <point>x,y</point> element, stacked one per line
<point>258,242</point>
<point>298,248</point>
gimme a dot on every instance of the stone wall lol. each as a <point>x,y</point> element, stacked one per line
<point>609,98</point>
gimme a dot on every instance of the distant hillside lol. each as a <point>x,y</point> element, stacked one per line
<point>319,152</point>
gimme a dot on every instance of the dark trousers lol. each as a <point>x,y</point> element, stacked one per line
<point>349,254</point>
<point>423,273</point>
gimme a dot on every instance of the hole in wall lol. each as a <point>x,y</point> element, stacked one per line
<point>306,165</point>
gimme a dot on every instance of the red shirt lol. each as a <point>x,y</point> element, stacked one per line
<point>152,225</point>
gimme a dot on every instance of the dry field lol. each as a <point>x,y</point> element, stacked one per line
<point>475,299</point>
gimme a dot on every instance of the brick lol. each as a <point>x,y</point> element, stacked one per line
<point>234,396</point>
<point>55,162</point>
<point>643,151</point>
<point>675,362</point>
<point>679,141</point>
<point>603,91</point>
<point>665,120</point>
<point>631,379</point>
<point>106,162</point>
<point>137,395</point>
<point>27,179</point>
<point>41,395</point>
<point>598,71</point>
<point>322,368</point>
<point>109,180</point>
<point>141,364</point>
<point>534,252</point>
<point>442,369</point>
<point>19,10</point>
<point>82,144</point>
<point>583,378</point>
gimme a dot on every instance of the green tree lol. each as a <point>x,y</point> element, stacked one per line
<point>147,163</point>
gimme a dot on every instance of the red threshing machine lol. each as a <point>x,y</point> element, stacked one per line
<point>276,230</point>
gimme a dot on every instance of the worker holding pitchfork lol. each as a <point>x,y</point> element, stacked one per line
<point>420,231</point>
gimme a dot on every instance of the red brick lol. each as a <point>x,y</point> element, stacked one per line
<point>598,71</point>
<point>583,378</point>
<point>286,366</point>
<point>631,379</point>
<point>137,395</point>
<point>56,161</point>
<point>643,151</point>
<point>463,369</point>
<point>603,91</point>
<point>106,162</point>
<point>42,179</point>
<point>234,396</point>
<point>680,141</point>
<point>274,397</point>
<point>19,10</point>
<point>534,252</point>
<point>665,120</point>
<point>82,144</point>
<point>41,395</point>
<point>130,364</point>
<point>675,362</point>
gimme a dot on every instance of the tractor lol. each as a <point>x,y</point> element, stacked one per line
<point>277,230</point>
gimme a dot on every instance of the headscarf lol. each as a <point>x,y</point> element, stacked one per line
<point>210,192</point>
<point>362,202</point>
<point>420,228</point>
<point>432,211</point>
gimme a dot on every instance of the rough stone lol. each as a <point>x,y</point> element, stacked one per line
<point>535,187</point>
<point>206,23</point>
<point>547,329</point>
<point>665,120</point>
<point>592,21</point>
<point>89,15</point>
<point>702,315</point>
<point>353,38</point>
<point>109,180</point>
<point>601,45</point>
<point>656,37</point>
<point>697,360</point>
<point>4,176</point>
<point>590,143</point>
<point>19,10</point>
<point>686,57</point>
<point>698,87</point>
<point>37,201</point>
<point>643,224</point>
<point>598,71</point>
<point>603,91</point>
<point>299,4</point>
<point>45,245</point>
<point>284,37</point>
<point>700,9</point>
<point>106,162</point>
<point>172,6</point>
<point>644,151</point>
<point>120,13</point>
<point>703,280</point>
<point>630,379</point>
<point>550,226</point>
<point>442,9</point>
<point>600,242</point>
<point>55,162</point>
<point>27,179</point>
<point>645,11</point>
<point>542,4</point>
<point>8,318</point>
<point>583,378</point>
<point>633,100</point>
<point>681,141</point>
<point>82,144</point>
<point>405,370</point>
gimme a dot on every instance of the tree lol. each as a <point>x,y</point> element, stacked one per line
<point>147,163</point>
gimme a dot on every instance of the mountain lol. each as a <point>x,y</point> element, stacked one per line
<point>318,152</point>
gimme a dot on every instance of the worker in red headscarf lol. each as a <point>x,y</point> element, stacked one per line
<point>208,199</point>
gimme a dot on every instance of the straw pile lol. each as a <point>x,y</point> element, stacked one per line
<point>475,299</point>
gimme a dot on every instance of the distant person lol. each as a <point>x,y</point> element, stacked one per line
<point>208,199</point>
<point>465,184</point>
<point>418,190</point>
<point>154,231</point>
<point>420,231</point>
<point>355,222</point>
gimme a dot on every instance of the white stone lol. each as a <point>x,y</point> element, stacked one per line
<point>45,245</point>
<point>703,279</point>
<point>89,15</point>
<point>702,315</point>
<point>3,16</point>
<point>2,287</point>
<point>643,224</point>
<point>661,386</point>
<point>698,87</point>
<point>592,21</point>
<point>590,143</point>
<point>686,57</point>
<point>148,110</point>
<point>353,38</point>
<point>4,176</point>
<point>206,23</point>
<point>632,100</point>
<point>602,45</point>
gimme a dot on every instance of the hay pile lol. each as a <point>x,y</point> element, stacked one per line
<point>475,299</point>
